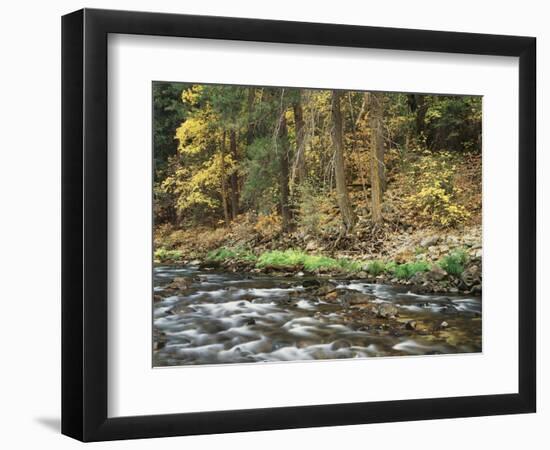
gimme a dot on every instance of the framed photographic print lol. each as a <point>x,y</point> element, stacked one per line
<point>273,224</point>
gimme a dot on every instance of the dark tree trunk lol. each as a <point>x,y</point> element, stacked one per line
<point>224,182</point>
<point>421,108</point>
<point>300,144</point>
<point>344,204</point>
<point>250,106</point>
<point>234,181</point>
<point>417,104</point>
<point>377,155</point>
<point>283,174</point>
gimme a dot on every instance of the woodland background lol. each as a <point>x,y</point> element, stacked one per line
<point>390,178</point>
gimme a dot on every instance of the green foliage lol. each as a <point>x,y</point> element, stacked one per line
<point>310,263</point>
<point>454,263</point>
<point>279,258</point>
<point>169,111</point>
<point>453,122</point>
<point>376,267</point>
<point>261,170</point>
<point>407,270</point>
<point>349,265</point>
<point>225,254</point>
<point>164,255</point>
<point>311,209</point>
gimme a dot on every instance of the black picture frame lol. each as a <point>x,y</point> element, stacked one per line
<point>84,224</point>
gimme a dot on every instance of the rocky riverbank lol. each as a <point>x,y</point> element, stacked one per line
<point>433,280</point>
<point>427,261</point>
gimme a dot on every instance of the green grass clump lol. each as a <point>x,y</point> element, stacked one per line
<point>224,254</point>
<point>454,262</point>
<point>349,265</point>
<point>376,267</point>
<point>407,270</point>
<point>310,263</point>
<point>281,258</point>
<point>162,254</point>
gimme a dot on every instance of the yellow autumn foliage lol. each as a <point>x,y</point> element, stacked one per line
<point>435,195</point>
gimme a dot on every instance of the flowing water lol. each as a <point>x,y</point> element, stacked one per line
<point>225,317</point>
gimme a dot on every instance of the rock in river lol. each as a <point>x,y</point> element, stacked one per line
<point>340,343</point>
<point>357,298</point>
<point>181,283</point>
<point>386,311</point>
<point>312,283</point>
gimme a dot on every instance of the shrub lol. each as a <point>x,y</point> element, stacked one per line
<point>407,270</point>
<point>311,207</point>
<point>435,199</point>
<point>281,258</point>
<point>454,262</point>
<point>162,254</point>
<point>349,265</point>
<point>208,238</point>
<point>268,225</point>
<point>310,263</point>
<point>376,267</point>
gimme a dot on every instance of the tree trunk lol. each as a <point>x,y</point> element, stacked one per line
<point>377,155</point>
<point>344,204</point>
<point>417,104</point>
<point>300,144</point>
<point>283,174</point>
<point>224,182</point>
<point>354,149</point>
<point>250,107</point>
<point>421,108</point>
<point>234,181</point>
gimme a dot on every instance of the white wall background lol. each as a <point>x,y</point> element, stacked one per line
<point>30,225</point>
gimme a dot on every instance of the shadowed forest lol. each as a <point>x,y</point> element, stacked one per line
<point>330,184</point>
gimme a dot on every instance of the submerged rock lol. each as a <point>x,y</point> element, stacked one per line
<point>311,283</point>
<point>209,264</point>
<point>181,283</point>
<point>357,298</point>
<point>340,343</point>
<point>326,289</point>
<point>159,339</point>
<point>386,311</point>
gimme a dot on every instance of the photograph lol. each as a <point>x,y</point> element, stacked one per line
<point>299,224</point>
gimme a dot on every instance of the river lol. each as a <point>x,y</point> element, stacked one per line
<point>222,317</point>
